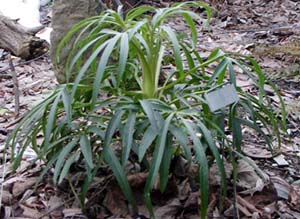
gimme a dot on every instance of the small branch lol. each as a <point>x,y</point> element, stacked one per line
<point>17,120</point>
<point>16,86</point>
<point>26,62</point>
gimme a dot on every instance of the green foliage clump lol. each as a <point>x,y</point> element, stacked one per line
<point>122,96</point>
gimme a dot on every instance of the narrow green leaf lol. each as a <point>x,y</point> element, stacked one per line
<point>148,138</point>
<point>85,146</point>
<point>256,128</point>
<point>79,54</point>
<point>86,66</point>
<point>96,130</point>
<point>69,35</point>
<point>119,173</point>
<point>112,126</point>
<point>165,164</point>
<point>188,56</point>
<point>113,161</point>
<point>102,66</point>
<point>182,138</point>
<point>203,168</point>
<point>66,99</point>
<point>61,158</point>
<point>128,137</point>
<point>148,108</point>
<point>236,128</point>
<point>138,11</point>
<point>231,73</point>
<point>67,166</point>
<point>191,23</point>
<point>46,169</point>
<point>176,48</point>
<point>215,151</point>
<point>51,119</point>
<point>219,71</point>
<point>156,162</point>
<point>123,55</point>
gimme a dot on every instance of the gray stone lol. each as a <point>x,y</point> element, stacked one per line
<point>65,14</point>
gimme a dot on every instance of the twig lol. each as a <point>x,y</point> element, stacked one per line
<point>25,62</point>
<point>17,120</point>
<point>74,193</point>
<point>16,86</point>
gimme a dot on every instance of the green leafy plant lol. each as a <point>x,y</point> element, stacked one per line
<point>119,102</point>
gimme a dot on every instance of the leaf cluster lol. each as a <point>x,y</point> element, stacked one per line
<point>114,108</point>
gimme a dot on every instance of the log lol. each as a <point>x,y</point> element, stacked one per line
<point>19,40</point>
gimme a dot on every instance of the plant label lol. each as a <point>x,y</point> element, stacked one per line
<point>221,96</point>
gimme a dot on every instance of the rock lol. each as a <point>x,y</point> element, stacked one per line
<point>65,14</point>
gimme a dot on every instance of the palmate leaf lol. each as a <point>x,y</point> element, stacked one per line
<point>259,112</point>
<point>148,108</point>
<point>122,59</point>
<point>114,162</point>
<point>33,122</point>
<point>156,162</point>
<point>71,33</point>
<point>85,67</point>
<point>203,168</point>
<point>215,151</point>
<point>71,63</point>
<point>102,65</point>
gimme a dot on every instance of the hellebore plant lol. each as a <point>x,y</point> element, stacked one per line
<point>120,102</point>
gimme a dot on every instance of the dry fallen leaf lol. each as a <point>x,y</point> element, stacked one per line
<point>214,173</point>
<point>256,152</point>
<point>294,198</point>
<point>72,212</point>
<point>281,186</point>
<point>6,197</point>
<point>169,211</point>
<point>31,212</point>
<point>21,186</point>
<point>248,178</point>
<point>115,201</point>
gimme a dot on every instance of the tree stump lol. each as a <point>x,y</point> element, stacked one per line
<point>19,40</point>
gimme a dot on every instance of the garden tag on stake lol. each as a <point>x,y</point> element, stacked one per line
<point>221,96</point>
